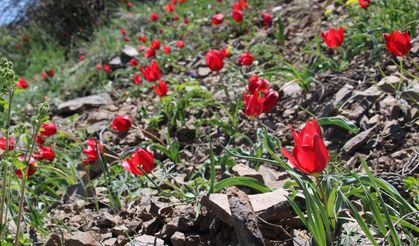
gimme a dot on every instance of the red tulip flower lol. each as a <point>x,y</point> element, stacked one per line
<point>161,89</point>
<point>151,72</point>
<point>22,84</point>
<point>142,39</point>
<point>40,139</point>
<point>154,17</point>
<point>107,68</point>
<point>130,4</point>
<point>333,37</point>
<point>176,18</point>
<point>31,170</point>
<point>180,44</point>
<point>137,79</point>
<point>246,59</point>
<point>150,53</point>
<point>310,154</point>
<point>364,3</point>
<point>98,67</point>
<point>134,62</point>
<point>155,44</point>
<point>240,5</point>
<point>186,20</point>
<point>217,19</point>
<point>169,8</point>
<point>267,20</point>
<point>44,153</point>
<point>238,16</point>
<point>141,157</point>
<point>167,50</point>
<point>214,60</point>
<point>3,143</point>
<point>398,43</point>
<point>123,31</point>
<point>50,72</point>
<point>48,129</point>
<point>44,75</point>
<point>82,57</point>
<point>121,123</point>
<point>225,52</point>
<point>259,102</point>
<point>93,148</point>
<point>257,84</point>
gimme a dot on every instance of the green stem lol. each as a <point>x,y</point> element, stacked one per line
<point>150,179</point>
<point>225,90</point>
<point>5,166</point>
<point>212,171</point>
<point>324,198</point>
<point>399,85</point>
<point>23,184</point>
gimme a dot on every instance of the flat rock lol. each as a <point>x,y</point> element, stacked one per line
<point>130,51</point>
<point>291,90</point>
<point>178,239</point>
<point>107,220</point>
<point>272,178</point>
<point>373,92</point>
<point>243,170</point>
<point>53,240</point>
<point>82,103</point>
<point>388,84</point>
<point>357,141</point>
<point>115,62</point>
<point>80,238</point>
<point>343,94</point>
<point>203,71</point>
<point>218,204</point>
<point>146,240</point>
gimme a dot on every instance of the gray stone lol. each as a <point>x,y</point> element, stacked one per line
<point>343,94</point>
<point>178,239</point>
<point>389,84</point>
<point>80,239</point>
<point>82,103</point>
<point>146,240</point>
<point>130,51</point>
<point>243,170</point>
<point>357,141</point>
<point>291,90</point>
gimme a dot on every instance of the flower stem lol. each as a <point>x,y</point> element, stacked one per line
<point>5,165</point>
<point>225,90</point>
<point>399,85</point>
<point>24,178</point>
<point>150,179</point>
<point>323,194</point>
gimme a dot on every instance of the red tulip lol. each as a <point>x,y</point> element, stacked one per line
<point>269,100</point>
<point>22,84</point>
<point>180,44</point>
<point>240,5</point>
<point>310,154</point>
<point>398,43</point>
<point>176,18</point>
<point>154,17</point>
<point>44,153</point>
<point>246,59</point>
<point>217,19</point>
<point>107,68</point>
<point>150,53</point>
<point>130,4</point>
<point>214,60</point>
<point>3,143</point>
<point>267,20</point>
<point>121,123</point>
<point>31,170</point>
<point>44,75</point>
<point>169,8</point>
<point>50,72</point>
<point>161,89</point>
<point>126,39</point>
<point>254,105</point>
<point>134,62</point>
<point>186,20</point>
<point>257,84</point>
<point>333,37</point>
<point>123,31</point>
<point>141,157</point>
<point>167,49</point>
<point>93,148</point>
<point>151,72</point>
<point>238,16</point>
<point>155,44</point>
<point>136,79</point>
<point>98,67</point>
<point>142,39</point>
<point>82,57</point>
<point>364,3</point>
<point>40,139</point>
<point>225,52</point>
<point>48,129</point>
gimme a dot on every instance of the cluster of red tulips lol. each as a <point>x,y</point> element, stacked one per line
<point>42,153</point>
<point>22,83</point>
